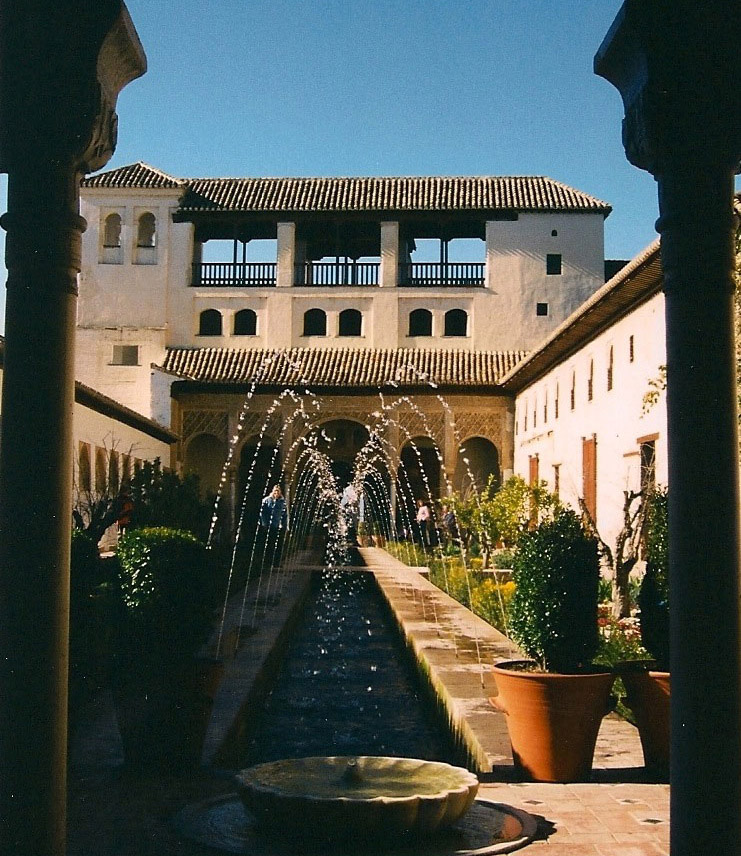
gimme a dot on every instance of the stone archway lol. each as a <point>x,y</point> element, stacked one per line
<point>476,462</point>
<point>205,456</point>
<point>418,477</point>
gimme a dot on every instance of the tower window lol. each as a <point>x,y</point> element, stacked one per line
<point>125,355</point>
<point>456,323</point>
<point>112,231</point>
<point>210,323</point>
<point>315,322</point>
<point>146,233</point>
<point>351,322</point>
<point>553,264</point>
<point>420,322</point>
<point>245,323</point>
<point>610,361</point>
<point>541,309</point>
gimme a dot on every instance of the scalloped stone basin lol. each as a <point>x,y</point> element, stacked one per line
<point>367,798</point>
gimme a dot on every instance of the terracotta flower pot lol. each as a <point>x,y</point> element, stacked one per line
<point>648,696</point>
<point>553,719</point>
<point>163,717</point>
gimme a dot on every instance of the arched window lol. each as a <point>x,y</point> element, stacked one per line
<point>210,323</point>
<point>112,231</point>
<point>146,233</point>
<point>245,323</point>
<point>351,322</point>
<point>456,322</point>
<point>420,322</point>
<point>315,322</point>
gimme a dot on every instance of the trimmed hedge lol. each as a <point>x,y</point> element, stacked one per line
<point>553,613</point>
<point>166,590</point>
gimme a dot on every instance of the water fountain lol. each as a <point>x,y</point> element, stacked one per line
<point>373,803</point>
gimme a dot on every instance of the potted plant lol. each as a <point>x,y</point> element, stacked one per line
<point>554,702</point>
<point>163,688</point>
<point>647,684</point>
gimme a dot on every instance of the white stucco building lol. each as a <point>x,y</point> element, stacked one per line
<point>583,423</point>
<point>491,288</point>
<point>338,266</point>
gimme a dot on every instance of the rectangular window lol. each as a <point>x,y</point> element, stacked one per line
<point>553,264</point>
<point>125,355</point>
<point>648,467</point>
<point>557,479</point>
<point>541,309</point>
<point>631,349</point>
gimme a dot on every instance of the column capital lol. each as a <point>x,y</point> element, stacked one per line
<point>60,79</point>
<point>682,101</point>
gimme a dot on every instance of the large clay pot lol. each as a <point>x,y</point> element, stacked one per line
<point>553,719</point>
<point>163,715</point>
<point>648,696</point>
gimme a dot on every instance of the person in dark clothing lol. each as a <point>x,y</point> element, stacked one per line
<point>273,524</point>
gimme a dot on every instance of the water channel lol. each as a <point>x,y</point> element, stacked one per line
<point>346,686</point>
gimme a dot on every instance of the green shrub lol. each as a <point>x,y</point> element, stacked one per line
<point>653,599</point>
<point>553,615</point>
<point>166,591</point>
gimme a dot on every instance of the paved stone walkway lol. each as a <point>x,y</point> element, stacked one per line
<point>114,813</point>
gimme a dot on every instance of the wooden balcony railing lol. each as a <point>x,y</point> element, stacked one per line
<point>337,273</point>
<point>231,274</point>
<point>423,274</point>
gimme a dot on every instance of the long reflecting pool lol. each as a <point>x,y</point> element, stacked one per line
<point>346,687</point>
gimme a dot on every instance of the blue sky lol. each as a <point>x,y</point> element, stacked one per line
<point>385,87</point>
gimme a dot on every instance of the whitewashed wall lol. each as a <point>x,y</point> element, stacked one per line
<point>614,417</point>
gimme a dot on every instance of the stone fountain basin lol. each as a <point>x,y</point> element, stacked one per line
<point>367,798</point>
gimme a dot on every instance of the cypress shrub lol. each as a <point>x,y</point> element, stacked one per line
<point>553,614</point>
<point>653,598</point>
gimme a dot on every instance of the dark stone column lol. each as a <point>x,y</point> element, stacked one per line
<point>62,65</point>
<point>676,67</point>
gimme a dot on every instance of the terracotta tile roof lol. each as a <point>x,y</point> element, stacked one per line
<point>346,368</point>
<point>139,175</point>
<point>410,193</point>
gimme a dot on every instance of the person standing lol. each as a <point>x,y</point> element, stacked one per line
<point>273,524</point>
<point>423,522</point>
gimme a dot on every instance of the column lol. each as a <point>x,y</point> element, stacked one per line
<point>389,273</point>
<point>676,68</point>
<point>286,255</point>
<point>57,121</point>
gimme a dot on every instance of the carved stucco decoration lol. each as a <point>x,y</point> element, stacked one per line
<point>215,422</point>
<point>478,424</point>
<point>412,424</point>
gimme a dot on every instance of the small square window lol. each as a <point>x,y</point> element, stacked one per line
<point>553,264</point>
<point>125,355</point>
<point>541,309</point>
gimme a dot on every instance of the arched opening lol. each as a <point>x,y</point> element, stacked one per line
<point>420,322</point>
<point>259,469</point>
<point>315,322</point>
<point>351,322</point>
<point>341,440</point>
<point>209,323</point>
<point>111,251</point>
<point>146,231</point>
<point>245,323</point>
<point>205,456</point>
<point>418,477</point>
<point>456,322</point>
<point>112,231</point>
<point>478,461</point>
